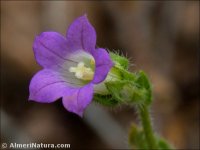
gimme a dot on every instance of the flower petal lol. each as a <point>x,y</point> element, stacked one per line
<point>77,99</point>
<point>103,64</point>
<point>51,49</point>
<point>47,86</point>
<point>82,35</point>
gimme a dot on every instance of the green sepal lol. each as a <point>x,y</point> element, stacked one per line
<point>143,82</point>
<point>120,61</point>
<point>125,87</point>
<point>106,100</point>
<point>115,88</point>
<point>126,75</point>
<point>135,90</point>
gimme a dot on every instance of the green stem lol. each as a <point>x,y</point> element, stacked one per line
<point>147,127</point>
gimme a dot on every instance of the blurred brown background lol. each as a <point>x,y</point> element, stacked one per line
<point>161,38</point>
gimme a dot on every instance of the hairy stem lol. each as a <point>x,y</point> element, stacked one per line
<point>147,126</point>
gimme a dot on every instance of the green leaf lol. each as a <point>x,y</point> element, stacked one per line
<point>163,144</point>
<point>137,138</point>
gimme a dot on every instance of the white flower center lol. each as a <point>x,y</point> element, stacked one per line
<point>82,72</point>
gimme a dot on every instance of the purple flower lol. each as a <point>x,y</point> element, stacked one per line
<point>72,66</point>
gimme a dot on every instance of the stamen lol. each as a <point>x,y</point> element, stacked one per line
<point>92,62</point>
<point>82,72</point>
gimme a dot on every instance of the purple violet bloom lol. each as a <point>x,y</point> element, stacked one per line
<point>72,66</point>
